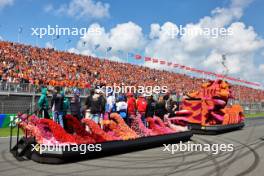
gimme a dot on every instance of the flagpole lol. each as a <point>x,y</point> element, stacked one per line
<point>19,32</point>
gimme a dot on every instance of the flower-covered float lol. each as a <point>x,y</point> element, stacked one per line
<point>208,110</point>
<point>87,139</point>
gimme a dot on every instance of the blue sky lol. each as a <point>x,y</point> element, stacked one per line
<point>30,13</point>
<point>145,22</point>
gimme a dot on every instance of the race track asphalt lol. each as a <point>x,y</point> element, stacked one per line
<point>247,158</point>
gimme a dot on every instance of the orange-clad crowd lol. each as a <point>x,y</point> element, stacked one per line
<point>41,66</point>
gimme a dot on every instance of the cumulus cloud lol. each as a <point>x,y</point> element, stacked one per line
<point>261,68</point>
<point>85,9</point>
<point>203,51</point>
<point>48,45</point>
<point>4,3</point>
<point>241,44</point>
<point>124,37</point>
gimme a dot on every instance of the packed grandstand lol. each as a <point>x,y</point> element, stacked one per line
<point>42,66</point>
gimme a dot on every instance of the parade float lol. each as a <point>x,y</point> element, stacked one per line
<point>208,110</point>
<point>111,136</point>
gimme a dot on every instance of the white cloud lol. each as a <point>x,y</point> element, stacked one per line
<point>73,50</point>
<point>48,8</point>
<point>199,51</point>
<point>48,45</point>
<point>1,38</point>
<point>261,68</point>
<point>86,9</point>
<point>125,37</point>
<point>4,3</point>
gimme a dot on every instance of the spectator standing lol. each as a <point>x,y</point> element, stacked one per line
<point>43,104</point>
<point>142,107</point>
<point>151,103</point>
<point>57,106</point>
<point>75,104</point>
<point>110,103</point>
<point>131,106</point>
<point>121,107</point>
<point>95,104</point>
<point>160,109</point>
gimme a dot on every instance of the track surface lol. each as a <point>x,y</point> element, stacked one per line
<point>246,159</point>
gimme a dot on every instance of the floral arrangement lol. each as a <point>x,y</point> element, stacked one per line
<point>97,133</point>
<point>138,126</point>
<point>156,125</point>
<point>131,134</point>
<point>209,105</point>
<point>116,130</point>
<point>46,131</point>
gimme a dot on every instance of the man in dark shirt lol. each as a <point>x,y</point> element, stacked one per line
<point>75,105</point>
<point>151,103</point>
<point>57,106</point>
<point>96,104</point>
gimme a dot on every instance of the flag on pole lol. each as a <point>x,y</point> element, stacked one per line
<point>108,49</point>
<point>138,57</point>
<point>147,59</point>
<point>155,60</point>
<point>20,29</point>
<point>175,65</point>
<point>96,46</point>
<point>56,38</point>
<point>182,66</point>
<point>68,41</point>
<point>162,62</point>
<point>130,55</point>
<point>187,68</point>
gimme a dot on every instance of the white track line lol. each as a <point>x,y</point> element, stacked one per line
<point>7,137</point>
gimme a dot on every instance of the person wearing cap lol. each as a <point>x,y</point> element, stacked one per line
<point>141,104</point>
<point>75,104</point>
<point>95,103</point>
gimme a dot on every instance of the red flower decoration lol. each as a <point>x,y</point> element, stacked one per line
<point>97,133</point>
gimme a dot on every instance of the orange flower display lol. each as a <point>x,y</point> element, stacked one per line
<point>209,105</point>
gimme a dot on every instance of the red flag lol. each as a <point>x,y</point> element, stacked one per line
<point>162,62</point>
<point>138,57</point>
<point>199,71</point>
<point>147,59</point>
<point>187,68</point>
<point>175,65</point>
<point>182,66</point>
<point>155,60</point>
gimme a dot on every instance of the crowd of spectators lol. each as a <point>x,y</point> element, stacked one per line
<point>22,64</point>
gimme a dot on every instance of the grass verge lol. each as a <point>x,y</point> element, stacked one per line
<point>5,132</point>
<point>261,114</point>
